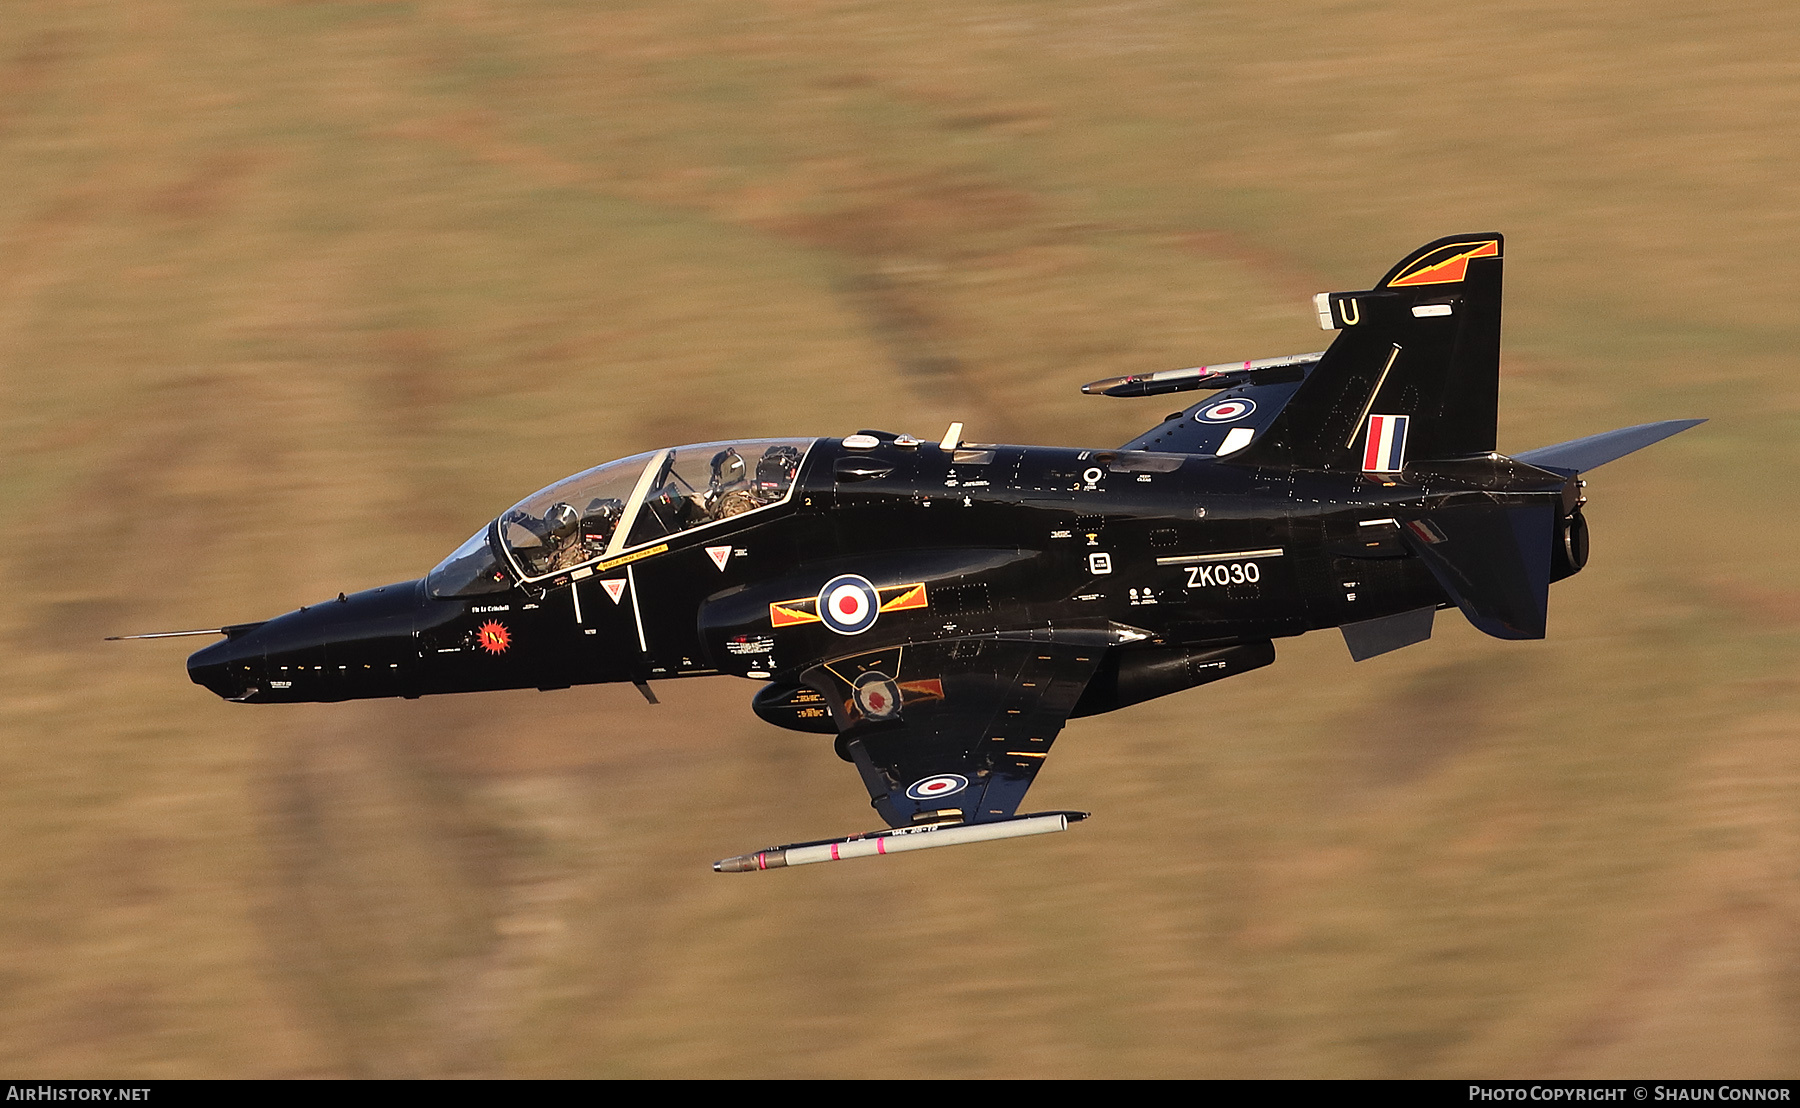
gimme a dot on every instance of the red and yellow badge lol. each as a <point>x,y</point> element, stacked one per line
<point>493,637</point>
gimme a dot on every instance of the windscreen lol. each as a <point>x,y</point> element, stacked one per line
<point>473,569</point>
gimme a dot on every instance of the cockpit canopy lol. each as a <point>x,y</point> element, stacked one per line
<point>620,506</point>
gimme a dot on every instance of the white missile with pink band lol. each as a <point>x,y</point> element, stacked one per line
<point>1223,375</point>
<point>899,840</point>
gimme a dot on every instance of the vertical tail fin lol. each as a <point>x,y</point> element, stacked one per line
<point>1413,373</point>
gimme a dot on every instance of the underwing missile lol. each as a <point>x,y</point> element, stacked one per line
<point>897,840</point>
<point>1224,375</point>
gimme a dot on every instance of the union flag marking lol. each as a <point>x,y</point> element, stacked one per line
<point>1385,449</point>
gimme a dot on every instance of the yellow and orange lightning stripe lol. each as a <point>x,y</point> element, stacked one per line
<point>929,689</point>
<point>894,598</point>
<point>788,613</point>
<point>905,596</point>
<point>1447,270</point>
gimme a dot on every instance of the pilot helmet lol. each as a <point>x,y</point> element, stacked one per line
<point>601,517</point>
<point>728,470</point>
<point>562,520</point>
<point>776,468</point>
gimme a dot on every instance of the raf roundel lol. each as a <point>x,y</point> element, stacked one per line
<point>1226,411</point>
<point>944,784</point>
<point>849,604</point>
<point>877,697</point>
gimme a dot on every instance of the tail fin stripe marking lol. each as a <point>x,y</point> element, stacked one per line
<point>1385,451</point>
<point>1449,271</point>
<point>1393,355</point>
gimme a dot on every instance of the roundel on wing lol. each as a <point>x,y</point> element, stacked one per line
<point>849,604</point>
<point>931,788</point>
<point>1226,411</point>
<point>877,697</point>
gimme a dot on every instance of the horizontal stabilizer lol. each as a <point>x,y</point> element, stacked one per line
<point>1372,637</point>
<point>1493,560</point>
<point>1581,455</point>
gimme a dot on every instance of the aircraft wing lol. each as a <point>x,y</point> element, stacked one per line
<point>956,726</point>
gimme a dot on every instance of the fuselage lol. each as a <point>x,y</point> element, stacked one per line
<point>921,542</point>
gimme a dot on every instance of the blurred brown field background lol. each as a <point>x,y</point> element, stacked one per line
<point>293,296</point>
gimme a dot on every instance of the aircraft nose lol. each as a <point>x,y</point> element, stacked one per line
<point>355,646</point>
<point>232,667</point>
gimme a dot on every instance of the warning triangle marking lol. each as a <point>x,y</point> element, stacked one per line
<point>719,554</point>
<point>615,588</point>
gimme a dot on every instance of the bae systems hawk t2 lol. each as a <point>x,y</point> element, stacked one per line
<point>943,608</point>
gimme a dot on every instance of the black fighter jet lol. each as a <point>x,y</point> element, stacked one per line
<point>942,608</point>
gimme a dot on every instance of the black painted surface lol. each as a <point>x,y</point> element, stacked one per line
<point>992,590</point>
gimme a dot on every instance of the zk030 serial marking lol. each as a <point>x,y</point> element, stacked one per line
<point>1236,567</point>
<point>1229,573</point>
